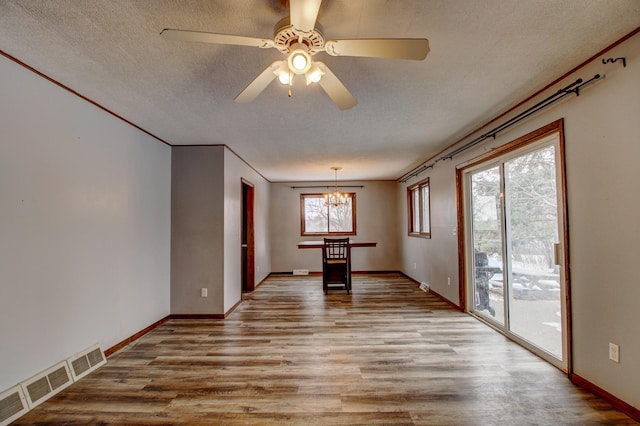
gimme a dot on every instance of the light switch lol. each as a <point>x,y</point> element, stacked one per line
<point>203,292</point>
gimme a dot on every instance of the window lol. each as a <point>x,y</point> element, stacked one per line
<point>419,217</point>
<point>318,218</point>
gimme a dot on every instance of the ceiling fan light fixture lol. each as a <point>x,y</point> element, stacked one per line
<point>284,78</point>
<point>283,73</point>
<point>314,74</point>
<point>299,59</point>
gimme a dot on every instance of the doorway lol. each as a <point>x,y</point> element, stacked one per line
<point>247,238</point>
<point>515,243</point>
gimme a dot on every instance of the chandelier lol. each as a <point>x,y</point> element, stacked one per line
<point>335,198</point>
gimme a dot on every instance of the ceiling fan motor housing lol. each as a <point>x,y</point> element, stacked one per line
<point>286,37</point>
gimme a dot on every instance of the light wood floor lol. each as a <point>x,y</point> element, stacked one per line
<point>386,354</point>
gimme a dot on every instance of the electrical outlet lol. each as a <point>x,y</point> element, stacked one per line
<point>614,352</point>
<point>424,286</point>
<point>448,280</point>
<point>204,292</point>
<point>414,265</point>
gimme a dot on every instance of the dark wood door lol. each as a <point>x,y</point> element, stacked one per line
<point>247,243</point>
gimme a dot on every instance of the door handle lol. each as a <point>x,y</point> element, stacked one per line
<point>244,245</point>
<point>557,253</point>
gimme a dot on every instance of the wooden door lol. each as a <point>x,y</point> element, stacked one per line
<point>247,243</point>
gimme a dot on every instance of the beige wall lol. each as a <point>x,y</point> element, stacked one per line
<point>377,220</point>
<point>234,171</point>
<point>433,260</point>
<point>602,154</point>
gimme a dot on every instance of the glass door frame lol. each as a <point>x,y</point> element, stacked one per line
<point>465,259</point>
<point>470,258</point>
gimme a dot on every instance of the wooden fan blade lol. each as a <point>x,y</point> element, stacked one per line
<point>337,91</point>
<point>259,84</point>
<point>304,14</point>
<point>393,48</point>
<point>185,35</point>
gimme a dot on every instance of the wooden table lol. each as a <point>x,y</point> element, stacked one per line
<point>352,243</point>
<point>320,244</point>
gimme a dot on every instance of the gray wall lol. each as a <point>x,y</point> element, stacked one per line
<point>197,226</point>
<point>84,226</point>
<point>602,153</point>
<point>377,220</point>
<point>206,228</point>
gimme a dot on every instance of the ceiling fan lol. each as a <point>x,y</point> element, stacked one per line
<point>300,37</point>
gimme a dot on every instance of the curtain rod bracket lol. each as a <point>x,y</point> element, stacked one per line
<point>612,61</point>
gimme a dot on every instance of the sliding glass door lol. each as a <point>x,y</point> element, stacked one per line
<point>513,232</point>
<point>535,303</point>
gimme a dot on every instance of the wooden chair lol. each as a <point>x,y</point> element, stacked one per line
<point>336,264</point>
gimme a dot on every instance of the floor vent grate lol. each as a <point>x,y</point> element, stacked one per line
<point>17,401</point>
<point>46,384</point>
<point>12,405</point>
<point>96,357</point>
<point>86,361</point>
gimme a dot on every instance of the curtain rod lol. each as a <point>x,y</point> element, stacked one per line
<point>560,94</point>
<point>327,186</point>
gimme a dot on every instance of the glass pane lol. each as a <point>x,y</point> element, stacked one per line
<point>532,229</point>
<point>415,204</point>
<point>341,217</point>
<point>315,215</point>
<point>425,209</point>
<point>487,244</point>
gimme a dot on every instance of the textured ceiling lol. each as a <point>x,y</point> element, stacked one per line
<point>485,57</point>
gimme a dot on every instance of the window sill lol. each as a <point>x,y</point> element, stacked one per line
<point>427,236</point>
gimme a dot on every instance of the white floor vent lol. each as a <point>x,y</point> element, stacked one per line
<point>12,405</point>
<point>86,361</point>
<point>300,272</point>
<point>17,401</point>
<point>46,384</point>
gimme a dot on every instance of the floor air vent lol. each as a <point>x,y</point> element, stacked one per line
<point>12,405</point>
<point>46,384</point>
<point>17,401</point>
<point>86,361</point>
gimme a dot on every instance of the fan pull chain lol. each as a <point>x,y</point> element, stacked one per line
<point>290,80</point>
